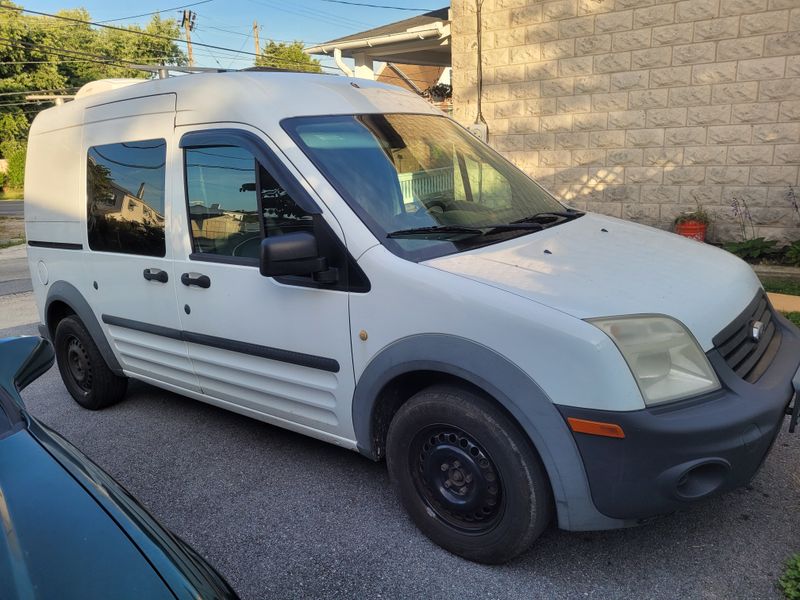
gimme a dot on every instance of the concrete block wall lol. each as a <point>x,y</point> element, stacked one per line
<point>642,109</point>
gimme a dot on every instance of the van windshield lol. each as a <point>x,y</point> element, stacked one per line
<point>422,184</point>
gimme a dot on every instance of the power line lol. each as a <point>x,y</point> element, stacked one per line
<point>132,31</point>
<point>73,54</point>
<point>318,15</point>
<point>155,12</point>
<point>24,103</point>
<point>69,89</point>
<point>247,35</point>
<point>216,60</point>
<point>380,6</point>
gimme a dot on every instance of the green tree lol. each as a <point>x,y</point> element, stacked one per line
<point>287,56</point>
<point>14,151</point>
<point>36,54</point>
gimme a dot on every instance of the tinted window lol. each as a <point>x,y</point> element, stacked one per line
<point>224,206</point>
<point>125,195</point>
<point>281,213</point>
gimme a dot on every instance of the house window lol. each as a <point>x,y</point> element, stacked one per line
<point>128,175</point>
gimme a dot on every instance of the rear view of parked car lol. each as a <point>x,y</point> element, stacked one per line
<point>69,530</point>
<point>340,259</point>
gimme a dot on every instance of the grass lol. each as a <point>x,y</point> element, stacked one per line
<point>11,195</point>
<point>782,287</point>
<point>790,581</point>
<point>794,317</point>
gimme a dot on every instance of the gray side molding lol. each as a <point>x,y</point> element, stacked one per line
<point>69,295</point>
<point>513,389</point>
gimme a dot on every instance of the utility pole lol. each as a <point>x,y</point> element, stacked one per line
<point>255,37</point>
<point>187,23</point>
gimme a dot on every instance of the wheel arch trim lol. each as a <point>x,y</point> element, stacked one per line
<point>62,291</point>
<point>508,385</point>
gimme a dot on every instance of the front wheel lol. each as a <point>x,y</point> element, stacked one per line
<point>467,475</point>
<point>82,366</point>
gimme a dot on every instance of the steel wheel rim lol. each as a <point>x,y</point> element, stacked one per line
<point>79,363</point>
<point>457,479</point>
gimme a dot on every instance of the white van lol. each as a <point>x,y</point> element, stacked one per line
<point>338,258</point>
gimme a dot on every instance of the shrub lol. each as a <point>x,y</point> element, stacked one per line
<point>14,152</point>
<point>790,581</point>
<point>792,255</point>
<point>753,249</point>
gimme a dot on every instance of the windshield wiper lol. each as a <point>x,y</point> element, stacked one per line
<point>445,230</point>
<point>448,230</point>
<point>566,215</point>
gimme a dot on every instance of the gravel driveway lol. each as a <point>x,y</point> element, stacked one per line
<point>285,516</point>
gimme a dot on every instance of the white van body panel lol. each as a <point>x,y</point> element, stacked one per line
<point>700,286</point>
<point>533,336</point>
<point>122,292</point>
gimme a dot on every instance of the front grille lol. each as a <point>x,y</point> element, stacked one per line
<point>750,358</point>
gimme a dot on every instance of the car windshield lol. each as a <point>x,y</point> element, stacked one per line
<point>422,184</point>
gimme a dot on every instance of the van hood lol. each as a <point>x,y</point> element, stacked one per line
<point>598,266</point>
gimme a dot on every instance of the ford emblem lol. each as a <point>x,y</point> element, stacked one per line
<point>758,329</point>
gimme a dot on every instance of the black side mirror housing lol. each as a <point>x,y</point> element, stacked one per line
<point>291,254</point>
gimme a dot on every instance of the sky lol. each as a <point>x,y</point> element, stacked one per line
<point>229,23</point>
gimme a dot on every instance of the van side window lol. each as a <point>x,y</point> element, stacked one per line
<point>125,197</point>
<point>281,213</point>
<point>228,215</point>
<point>223,207</point>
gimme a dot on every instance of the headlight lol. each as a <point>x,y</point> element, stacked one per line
<point>663,356</point>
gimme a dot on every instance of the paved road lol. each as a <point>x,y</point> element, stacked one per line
<point>15,277</point>
<point>285,516</point>
<point>10,208</point>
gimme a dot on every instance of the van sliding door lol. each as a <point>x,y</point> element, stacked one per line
<point>127,146</point>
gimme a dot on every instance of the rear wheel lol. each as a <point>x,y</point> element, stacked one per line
<point>467,475</point>
<point>84,370</point>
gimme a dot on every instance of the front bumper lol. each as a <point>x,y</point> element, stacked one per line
<point>682,452</point>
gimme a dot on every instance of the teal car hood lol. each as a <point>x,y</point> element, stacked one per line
<point>58,542</point>
<point>69,531</point>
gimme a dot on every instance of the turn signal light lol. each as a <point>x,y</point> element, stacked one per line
<point>596,428</point>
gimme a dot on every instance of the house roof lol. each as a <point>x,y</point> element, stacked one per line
<point>423,40</point>
<point>396,27</point>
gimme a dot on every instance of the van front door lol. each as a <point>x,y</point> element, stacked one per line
<point>132,281</point>
<point>273,350</point>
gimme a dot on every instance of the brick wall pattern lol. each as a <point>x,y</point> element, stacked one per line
<point>642,109</point>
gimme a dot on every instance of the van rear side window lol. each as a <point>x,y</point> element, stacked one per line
<point>125,197</point>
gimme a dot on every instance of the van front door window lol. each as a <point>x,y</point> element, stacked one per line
<point>228,216</point>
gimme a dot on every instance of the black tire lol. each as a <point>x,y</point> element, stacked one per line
<point>467,475</point>
<point>83,368</point>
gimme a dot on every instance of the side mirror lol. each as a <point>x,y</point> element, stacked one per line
<point>23,360</point>
<point>291,254</point>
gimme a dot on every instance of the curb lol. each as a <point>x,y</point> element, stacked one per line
<point>784,302</point>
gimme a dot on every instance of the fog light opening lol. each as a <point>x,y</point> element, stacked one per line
<point>702,480</point>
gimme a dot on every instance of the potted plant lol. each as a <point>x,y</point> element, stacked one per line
<point>693,224</point>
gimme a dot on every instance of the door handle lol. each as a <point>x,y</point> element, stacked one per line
<point>156,275</point>
<point>203,281</point>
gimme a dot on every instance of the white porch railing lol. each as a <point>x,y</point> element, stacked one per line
<point>418,184</point>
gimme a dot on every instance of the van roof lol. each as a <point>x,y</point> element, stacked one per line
<point>244,96</point>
